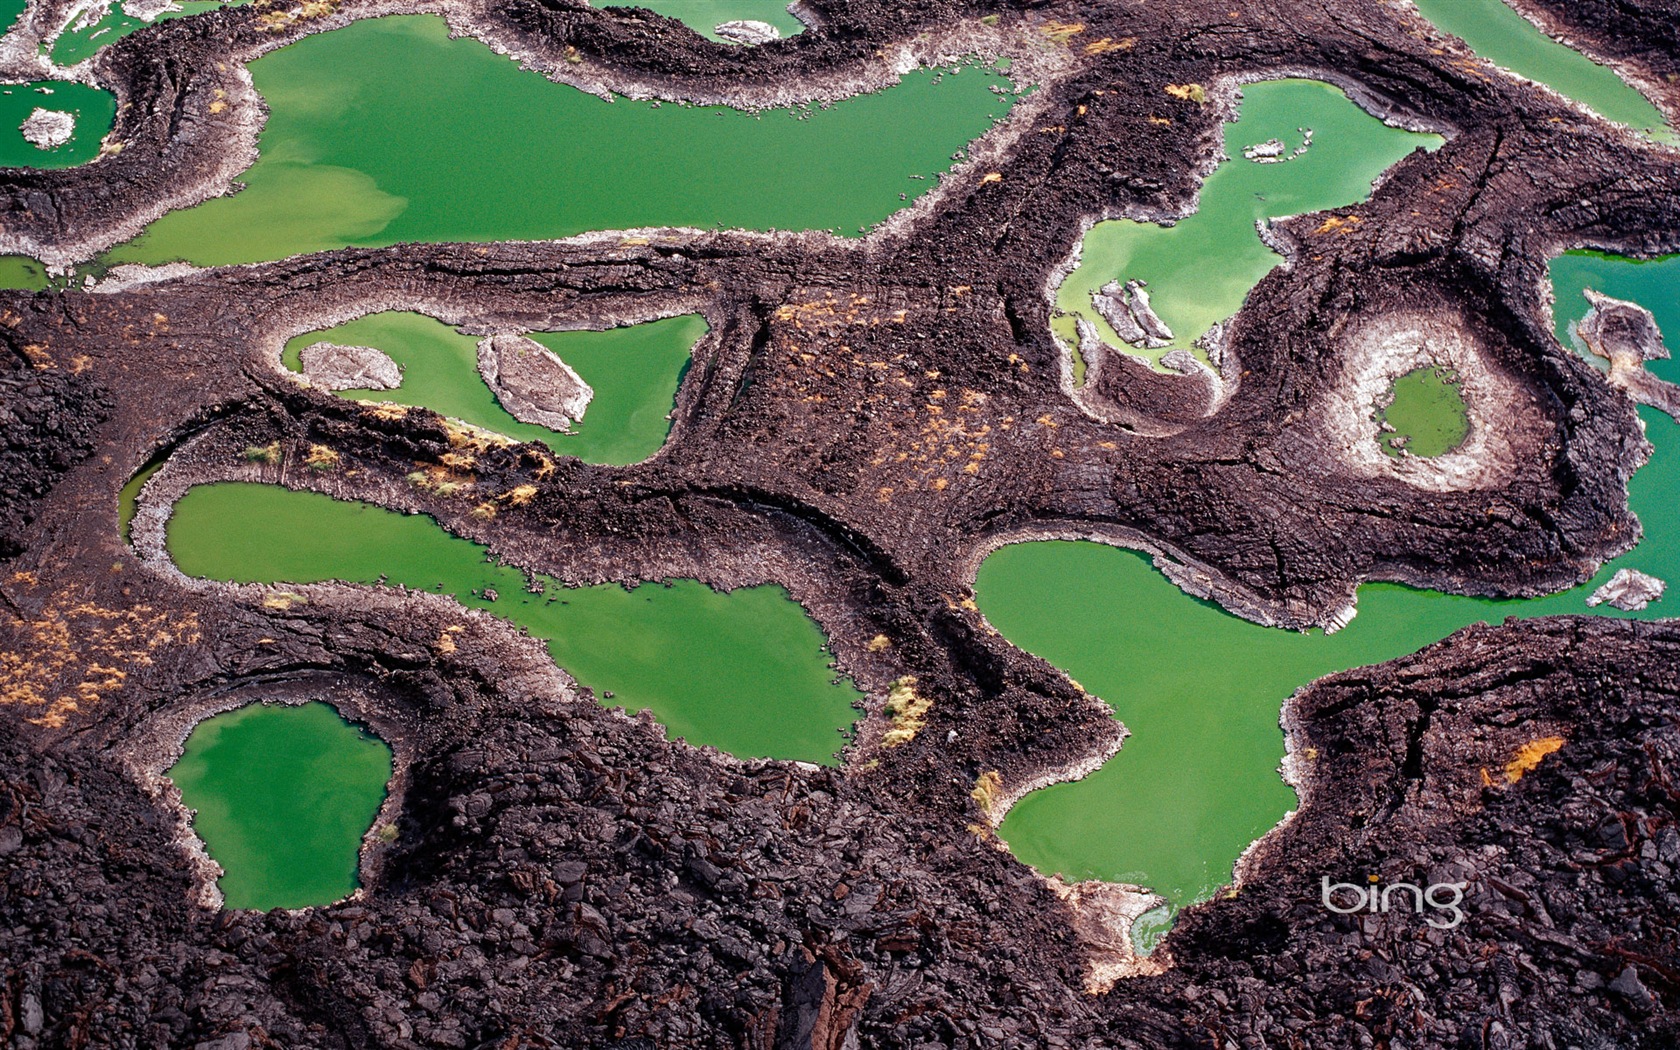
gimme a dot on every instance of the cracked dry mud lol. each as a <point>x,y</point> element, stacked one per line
<point>864,421</point>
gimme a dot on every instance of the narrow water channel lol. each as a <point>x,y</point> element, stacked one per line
<point>1200,269</point>
<point>1507,39</point>
<point>283,796</point>
<point>1201,689</point>
<point>747,672</point>
<point>392,132</point>
<point>634,372</point>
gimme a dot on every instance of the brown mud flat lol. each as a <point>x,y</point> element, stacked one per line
<point>863,420</point>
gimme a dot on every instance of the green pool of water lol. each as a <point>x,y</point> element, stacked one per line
<point>23,273</point>
<point>1505,38</point>
<point>703,16</point>
<point>1200,270</point>
<point>1201,689</point>
<point>634,372</point>
<point>387,131</point>
<point>283,797</point>
<point>73,45</point>
<point>1427,413</point>
<point>94,110</point>
<point>746,671</point>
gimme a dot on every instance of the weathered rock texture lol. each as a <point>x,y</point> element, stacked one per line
<point>863,423</point>
<point>533,384</point>
<point>332,366</point>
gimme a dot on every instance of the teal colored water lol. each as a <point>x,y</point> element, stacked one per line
<point>387,131</point>
<point>703,16</point>
<point>1201,269</point>
<point>74,45</point>
<point>94,110</point>
<point>634,372</point>
<point>747,671</point>
<point>1505,38</point>
<point>283,797</point>
<point>1201,689</point>
<point>1652,283</point>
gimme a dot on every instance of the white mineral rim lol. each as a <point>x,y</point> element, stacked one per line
<point>48,128</point>
<point>1506,420</point>
<point>747,31</point>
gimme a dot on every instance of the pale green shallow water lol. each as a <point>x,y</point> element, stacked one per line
<point>1505,38</point>
<point>386,131</point>
<point>634,371</point>
<point>1428,414</point>
<point>283,797</point>
<point>1201,689</point>
<point>1201,269</point>
<point>94,110</point>
<point>747,672</point>
<point>703,16</point>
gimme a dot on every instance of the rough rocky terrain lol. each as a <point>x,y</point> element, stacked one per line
<point>864,422</point>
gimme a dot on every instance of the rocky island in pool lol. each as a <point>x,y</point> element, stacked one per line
<point>839,525</point>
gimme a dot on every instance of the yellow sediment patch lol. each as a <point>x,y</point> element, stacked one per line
<point>908,712</point>
<point>1529,757</point>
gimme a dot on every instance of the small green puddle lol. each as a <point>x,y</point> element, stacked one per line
<point>283,797</point>
<point>704,16</point>
<point>1505,38</point>
<point>21,273</point>
<point>1425,414</point>
<point>634,371</point>
<point>92,108</point>
<point>387,131</point>
<point>73,45</point>
<point>747,672</point>
<point>1199,271</point>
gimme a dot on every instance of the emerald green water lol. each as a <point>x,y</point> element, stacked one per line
<point>1505,38</point>
<point>386,131</point>
<point>746,671</point>
<point>1428,414</point>
<point>283,797</point>
<point>74,45</point>
<point>634,372</point>
<point>1200,690</point>
<point>1200,270</point>
<point>703,15</point>
<point>1652,283</point>
<point>94,110</point>
<point>10,12</point>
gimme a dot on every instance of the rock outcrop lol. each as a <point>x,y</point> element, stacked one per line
<point>533,384</point>
<point>332,366</point>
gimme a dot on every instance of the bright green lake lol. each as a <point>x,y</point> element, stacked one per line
<point>94,110</point>
<point>387,131</point>
<point>747,671</point>
<point>1505,38</point>
<point>74,45</point>
<point>1201,269</point>
<point>1428,414</point>
<point>634,372</point>
<point>10,11</point>
<point>703,16</point>
<point>283,797</point>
